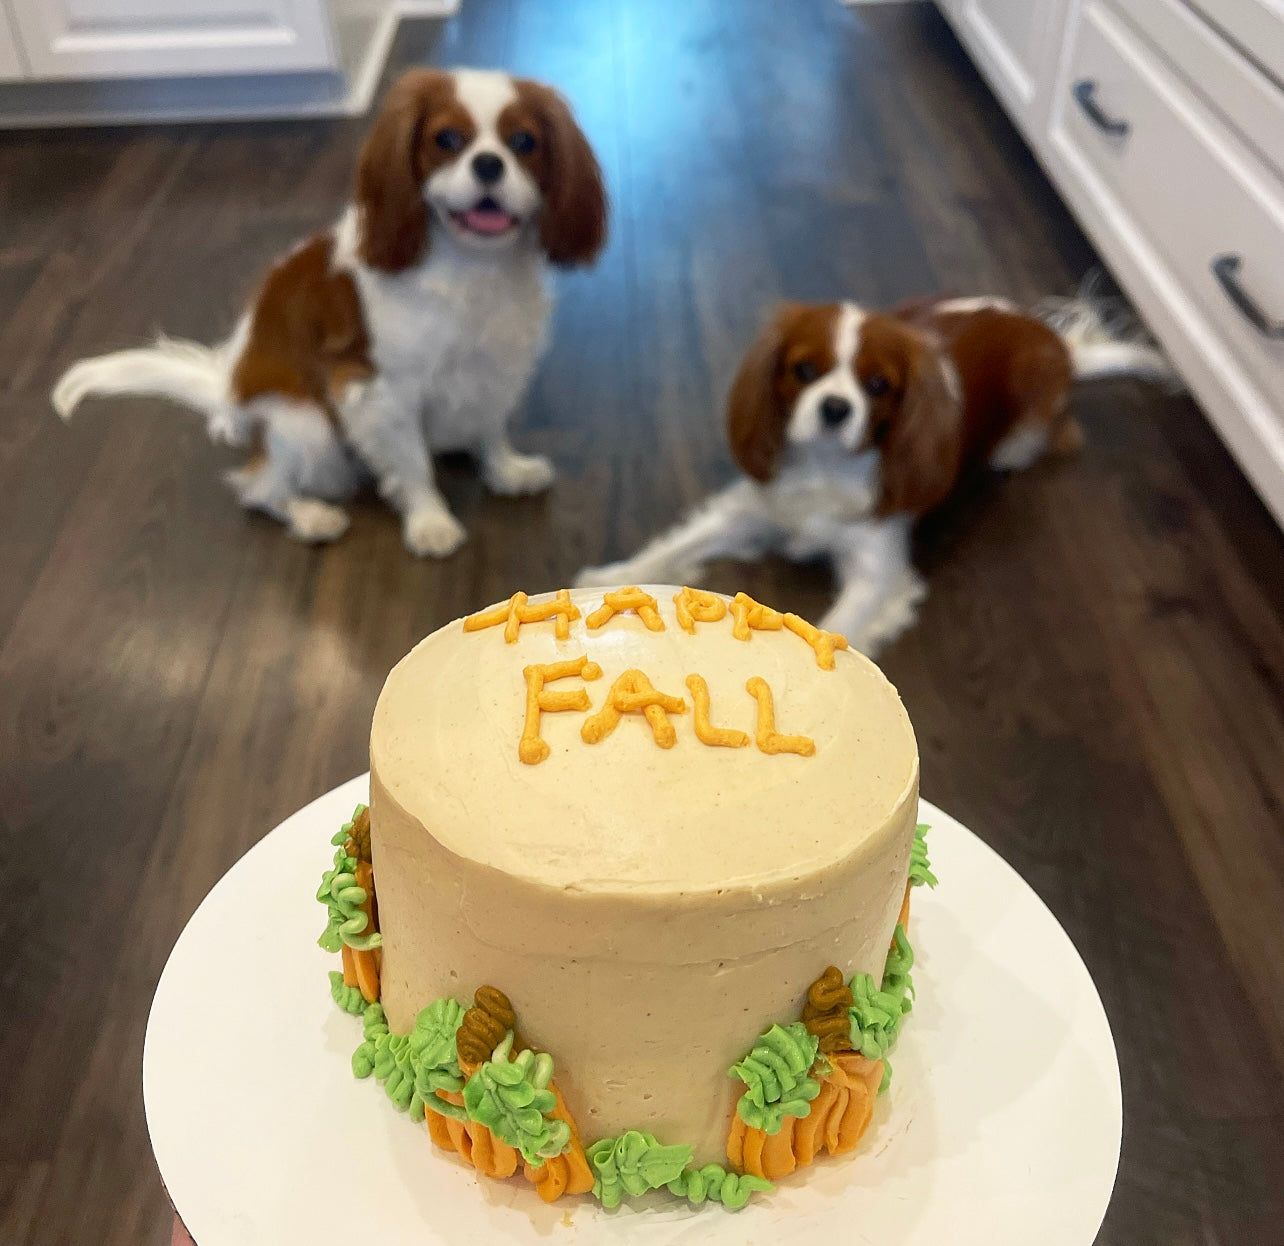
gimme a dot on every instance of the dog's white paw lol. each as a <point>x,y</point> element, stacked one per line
<point>432,533</point>
<point>315,522</point>
<point>518,474</point>
<point>894,616</point>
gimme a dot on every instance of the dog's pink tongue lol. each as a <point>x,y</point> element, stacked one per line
<point>487,220</point>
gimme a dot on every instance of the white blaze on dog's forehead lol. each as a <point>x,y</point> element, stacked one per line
<point>806,422</point>
<point>485,93</point>
<point>847,334</point>
<point>347,241</point>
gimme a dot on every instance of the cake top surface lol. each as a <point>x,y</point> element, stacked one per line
<point>551,759</point>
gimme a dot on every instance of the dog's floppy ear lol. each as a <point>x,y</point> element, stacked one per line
<point>572,226</point>
<point>389,192</point>
<point>756,417</point>
<point>923,444</point>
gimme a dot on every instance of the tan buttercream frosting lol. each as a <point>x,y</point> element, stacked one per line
<point>648,906</point>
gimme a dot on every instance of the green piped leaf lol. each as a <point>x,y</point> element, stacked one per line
<point>413,1067</point>
<point>632,1164</point>
<point>510,1096</point>
<point>877,1012</point>
<point>716,1184</point>
<point>775,1074</point>
<point>920,871</point>
<point>349,998</point>
<point>432,1041</point>
<point>346,922</point>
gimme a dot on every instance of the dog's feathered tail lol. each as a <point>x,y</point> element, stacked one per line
<point>1105,338</point>
<point>185,372</point>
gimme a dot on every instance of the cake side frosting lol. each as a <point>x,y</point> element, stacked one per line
<point>809,1087</point>
<point>648,905</point>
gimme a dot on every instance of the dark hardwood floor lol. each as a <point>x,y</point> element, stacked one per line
<point>1097,680</point>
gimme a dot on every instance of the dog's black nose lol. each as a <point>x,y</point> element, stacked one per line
<point>835,410</point>
<point>488,167</point>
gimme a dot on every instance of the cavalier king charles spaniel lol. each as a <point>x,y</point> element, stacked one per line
<point>410,327</point>
<point>852,425</point>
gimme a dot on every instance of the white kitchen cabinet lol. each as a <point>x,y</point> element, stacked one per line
<point>1256,27</point>
<point>1017,43</point>
<point>11,65</point>
<point>157,38</point>
<point>1162,130</point>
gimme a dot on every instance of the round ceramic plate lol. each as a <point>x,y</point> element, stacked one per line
<point>1002,1124</point>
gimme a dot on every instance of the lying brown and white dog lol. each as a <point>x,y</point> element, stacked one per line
<point>852,425</point>
<point>410,327</point>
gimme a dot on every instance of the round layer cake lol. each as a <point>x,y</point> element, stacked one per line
<point>650,883</point>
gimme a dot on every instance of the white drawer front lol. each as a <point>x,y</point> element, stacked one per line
<point>172,38</point>
<point>1221,75</point>
<point>1257,26</point>
<point>1192,188</point>
<point>11,66</point>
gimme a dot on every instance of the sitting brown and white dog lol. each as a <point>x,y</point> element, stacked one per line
<point>410,327</point>
<point>852,425</point>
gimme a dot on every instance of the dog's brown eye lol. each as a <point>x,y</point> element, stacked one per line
<point>806,371</point>
<point>521,142</point>
<point>877,385</point>
<point>449,139</point>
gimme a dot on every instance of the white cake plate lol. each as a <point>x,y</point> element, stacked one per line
<point>1001,1127</point>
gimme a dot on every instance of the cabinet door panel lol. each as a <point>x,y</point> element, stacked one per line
<point>1018,43</point>
<point>172,38</point>
<point>12,68</point>
<point>1256,26</point>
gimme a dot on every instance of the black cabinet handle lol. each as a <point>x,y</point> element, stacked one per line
<point>1085,92</point>
<point>1226,270</point>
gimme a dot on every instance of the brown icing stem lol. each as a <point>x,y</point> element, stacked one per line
<point>484,1026</point>
<point>825,1012</point>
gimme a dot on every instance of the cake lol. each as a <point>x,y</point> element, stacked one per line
<point>628,907</point>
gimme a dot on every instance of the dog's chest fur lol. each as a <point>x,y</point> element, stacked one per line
<point>823,487</point>
<point>458,336</point>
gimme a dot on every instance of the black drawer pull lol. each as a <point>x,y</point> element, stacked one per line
<point>1085,92</point>
<point>1226,270</point>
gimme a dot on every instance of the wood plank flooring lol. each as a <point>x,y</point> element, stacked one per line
<point>1097,680</point>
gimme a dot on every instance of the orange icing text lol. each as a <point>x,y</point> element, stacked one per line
<point>694,606</point>
<point>633,693</point>
<point>625,599</point>
<point>824,643</point>
<point>750,615</point>
<point>769,739</point>
<point>532,749</point>
<point>514,612</point>
<point>706,732</point>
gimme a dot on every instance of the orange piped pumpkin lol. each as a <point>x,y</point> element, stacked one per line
<point>839,1116</point>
